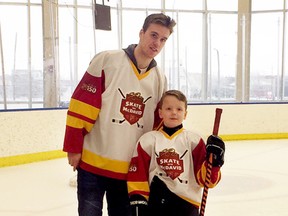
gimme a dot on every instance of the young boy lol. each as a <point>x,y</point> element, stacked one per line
<point>168,168</point>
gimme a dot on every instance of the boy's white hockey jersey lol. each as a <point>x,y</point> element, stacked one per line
<point>178,160</point>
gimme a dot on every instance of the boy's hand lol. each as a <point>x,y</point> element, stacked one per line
<point>216,146</point>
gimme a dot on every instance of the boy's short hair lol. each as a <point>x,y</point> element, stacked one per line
<point>176,93</point>
<point>161,19</point>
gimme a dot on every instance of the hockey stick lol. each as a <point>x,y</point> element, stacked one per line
<point>209,165</point>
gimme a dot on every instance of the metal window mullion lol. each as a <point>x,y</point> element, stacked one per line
<point>75,60</point>
<point>3,71</point>
<point>120,24</point>
<point>29,55</point>
<point>282,81</point>
<point>204,88</point>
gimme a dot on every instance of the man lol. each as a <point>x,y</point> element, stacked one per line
<point>112,106</point>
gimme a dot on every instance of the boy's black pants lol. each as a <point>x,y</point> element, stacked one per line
<point>162,202</point>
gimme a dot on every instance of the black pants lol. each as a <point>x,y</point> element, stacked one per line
<point>91,190</point>
<point>162,202</point>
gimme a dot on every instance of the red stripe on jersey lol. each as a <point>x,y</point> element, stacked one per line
<point>73,140</point>
<point>139,166</point>
<point>84,118</point>
<point>103,172</point>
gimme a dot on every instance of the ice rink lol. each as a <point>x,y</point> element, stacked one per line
<point>254,179</point>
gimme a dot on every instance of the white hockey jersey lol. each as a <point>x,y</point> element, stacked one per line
<point>112,106</point>
<point>178,160</point>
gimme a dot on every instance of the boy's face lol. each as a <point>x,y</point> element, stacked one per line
<point>153,40</point>
<point>172,112</point>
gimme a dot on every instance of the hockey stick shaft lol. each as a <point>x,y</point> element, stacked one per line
<point>217,121</point>
<point>210,161</point>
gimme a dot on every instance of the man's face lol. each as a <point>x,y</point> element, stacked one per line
<point>153,40</point>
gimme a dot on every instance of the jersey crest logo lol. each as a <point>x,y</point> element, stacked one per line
<point>132,108</point>
<point>171,163</point>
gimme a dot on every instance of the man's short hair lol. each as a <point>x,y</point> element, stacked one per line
<point>161,19</point>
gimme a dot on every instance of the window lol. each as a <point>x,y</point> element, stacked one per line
<point>184,4</point>
<point>141,4</point>
<point>222,57</point>
<point>216,53</point>
<point>222,5</point>
<point>184,55</point>
<point>260,5</point>
<point>266,55</point>
<point>15,47</point>
<point>132,22</point>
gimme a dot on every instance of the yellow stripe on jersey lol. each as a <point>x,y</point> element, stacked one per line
<point>140,76</point>
<point>105,163</point>
<point>173,135</point>
<point>82,108</point>
<point>142,186</point>
<point>78,123</point>
<point>191,201</point>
